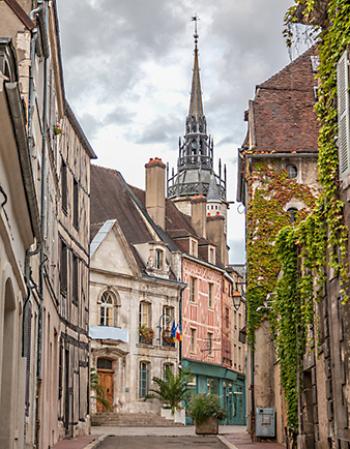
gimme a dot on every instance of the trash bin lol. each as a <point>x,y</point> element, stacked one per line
<point>265,426</point>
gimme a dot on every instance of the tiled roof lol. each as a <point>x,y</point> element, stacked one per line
<point>282,117</point>
<point>110,199</point>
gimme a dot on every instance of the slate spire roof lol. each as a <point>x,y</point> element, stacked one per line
<point>195,164</point>
<point>214,193</point>
<point>196,102</point>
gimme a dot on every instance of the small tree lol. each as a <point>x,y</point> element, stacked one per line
<point>99,395</point>
<point>172,390</point>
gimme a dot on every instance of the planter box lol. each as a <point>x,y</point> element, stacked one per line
<point>180,416</point>
<point>166,413</point>
<point>208,427</point>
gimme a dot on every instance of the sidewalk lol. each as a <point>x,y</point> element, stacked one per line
<point>86,442</point>
<point>242,441</point>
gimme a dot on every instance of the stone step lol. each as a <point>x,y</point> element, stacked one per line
<point>132,420</point>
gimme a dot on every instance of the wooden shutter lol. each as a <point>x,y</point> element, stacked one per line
<point>343,113</point>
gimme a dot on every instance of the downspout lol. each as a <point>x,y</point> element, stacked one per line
<point>42,18</point>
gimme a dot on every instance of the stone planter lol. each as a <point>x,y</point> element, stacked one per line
<point>166,413</point>
<point>208,427</point>
<point>180,416</point>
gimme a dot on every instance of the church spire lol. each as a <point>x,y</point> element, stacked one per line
<point>196,103</point>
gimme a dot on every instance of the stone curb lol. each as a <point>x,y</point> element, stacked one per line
<point>226,442</point>
<point>96,443</point>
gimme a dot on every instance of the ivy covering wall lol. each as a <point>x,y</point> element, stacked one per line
<point>299,257</point>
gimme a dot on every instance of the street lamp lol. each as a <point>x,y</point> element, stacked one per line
<point>236,298</point>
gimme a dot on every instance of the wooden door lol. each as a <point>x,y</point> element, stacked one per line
<point>106,382</point>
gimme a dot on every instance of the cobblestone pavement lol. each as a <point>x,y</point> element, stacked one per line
<point>77,443</point>
<point>242,441</point>
<point>161,442</point>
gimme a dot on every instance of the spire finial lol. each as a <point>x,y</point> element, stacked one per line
<point>195,19</point>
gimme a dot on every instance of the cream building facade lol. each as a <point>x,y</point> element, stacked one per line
<point>134,295</point>
<point>45,235</point>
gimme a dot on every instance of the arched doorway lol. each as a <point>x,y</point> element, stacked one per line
<point>7,398</point>
<point>105,373</point>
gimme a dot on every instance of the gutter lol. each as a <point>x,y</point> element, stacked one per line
<point>15,104</point>
<point>279,155</point>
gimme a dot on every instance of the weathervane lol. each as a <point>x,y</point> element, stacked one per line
<point>195,19</point>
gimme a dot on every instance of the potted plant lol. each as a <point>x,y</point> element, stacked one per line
<point>168,340</point>
<point>146,334</point>
<point>206,412</point>
<point>172,390</point>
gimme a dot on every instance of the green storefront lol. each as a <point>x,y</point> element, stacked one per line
<point>228,385</point>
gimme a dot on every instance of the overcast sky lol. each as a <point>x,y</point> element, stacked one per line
<point>128,67</point>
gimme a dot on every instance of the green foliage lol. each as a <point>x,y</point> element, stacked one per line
<point>96,387</point>
<point>266,217</point>
<point>204,406</point>
<point>319,242</point>
<point>172,390</point>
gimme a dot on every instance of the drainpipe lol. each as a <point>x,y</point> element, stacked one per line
<point>41,14</point>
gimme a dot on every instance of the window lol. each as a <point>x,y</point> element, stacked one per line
<point>227,317</point>
<point>293,214</point>
<point>193,248</point>
<point>104,363</point>
<point>292,171</point>
<point>146,332</point>
<point>211,255</point>
<point>210,294</point>
<point>159,259</point>
<point>343,85</point>
<point>210,343</point>
<point>64,192</point>
<point>108,311</point>
<point>75,280</point>
<point>63,268</point>
<point>168,317</point>
<point>145,314</point>
<point>193,340</point>
<point>193,289</point>
<point>166,367</point>
<point>144,380</point>
<point>75,204</point>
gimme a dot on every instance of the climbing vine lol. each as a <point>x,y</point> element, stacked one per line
<point>267,215</point>
<point>306,252</point>
<point>291,263</point>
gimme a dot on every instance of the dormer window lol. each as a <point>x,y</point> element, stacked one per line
<point>211,255</point>
<point>193,247</point>
<point>159,259</point>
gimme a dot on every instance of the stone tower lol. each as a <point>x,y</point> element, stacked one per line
<point>195,165</point>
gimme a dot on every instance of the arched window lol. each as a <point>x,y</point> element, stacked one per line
<point>292,171</point>
<point>108,309</point>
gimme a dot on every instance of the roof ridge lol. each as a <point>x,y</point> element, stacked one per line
<point>294,62</point>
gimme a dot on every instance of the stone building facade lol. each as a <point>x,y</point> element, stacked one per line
<point>51,331</point>
<point>277,175</point>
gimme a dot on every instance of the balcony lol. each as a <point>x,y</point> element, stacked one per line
<point>109,333</point>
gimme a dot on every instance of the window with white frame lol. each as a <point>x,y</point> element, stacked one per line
<point>343,85</point>
<point>108,309</point>
<point>193,247</point>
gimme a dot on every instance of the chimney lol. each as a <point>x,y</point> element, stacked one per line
<point>199,215</point>
<point>216,234</point>
<point>155,191</point>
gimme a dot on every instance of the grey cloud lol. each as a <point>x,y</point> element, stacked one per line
<point>162,130</point>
